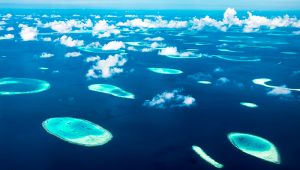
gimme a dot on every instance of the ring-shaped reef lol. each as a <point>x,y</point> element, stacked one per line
<point>204,82</point>
<point>269,42</point>
<point>12,86</point>
<point>239,37</point>
<point>43,68</point>
<point>178,56</point>
<point>99,50</point>
<point>207,158</point>
<point>226,50</point>
<point>231,40</point>
<point>111,89</point>
<point>77,131</point>
<point>5,38</point>
<point>262,81</point>
<point>253,46</point>
<point>165,70</point>
<point>252,105</point>
<point>237,58</point>
<point>199,43</point>
<point>137,43</point>
<point>255,146</point>
<point>289,53</point>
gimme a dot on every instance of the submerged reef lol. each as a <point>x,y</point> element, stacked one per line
<point>165,70</point>
<point>289,53</point>
<point>77,131</point>
<point>111,89</point>
<point>99,50</point>
<point>255,146</point>
<point>237,58</point>
<point>262,81</point>
<point>226,50</point>
<point>207,158</point>
<point>178,56</point>
<point>248,104</point>
<point>239,37</point>
<point>12,86</point>
<point>199,43</point>
<point>253,46</point>
<point>204,82</point>
<point>231,40</point>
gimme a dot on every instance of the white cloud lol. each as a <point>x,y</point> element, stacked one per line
<point>131,48</point>
<point>170,99</point>
<point>132,16</point>
<point>75,15</point>
<point>73,54</point>
<point>155,45</point>
<point>186,54</point>
<point>28,33</point>
<point>222,45</point>
<point>113,45</point>
<point>7,15</point>
<point>240,85</point>
<point>218,69</point>
<point>101,26</point>
<point>200,76</point>
<point>92,59</point>
<point>222,80</point>
<point>9,36</point>
<point>45,16</point>
<point>93,45</point>
<point>159,23</point>
<point>10,29</point>
<point>280,91</point>
<point>296,32</point>
<point>154,39</point>
<point>47,39</point>
<point>97,16</point>
<point>69,42</point>
<point>169,51</point>
<point>46,55</point>
<point>110,16</point>
<point>55,16</point>
<point>251,24</point>
<point>147,49</point>
<point>2,22</point>
<point>107,68</point>
<point>108,33</point>
<point>66,26</point>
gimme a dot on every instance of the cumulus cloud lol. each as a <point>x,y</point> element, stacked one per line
<point>154,39</point>
<point>155,45</point>
<point>222,80</point>
<point>47,39</point>
<point>147,49</point>
<point>7,16</point>
<point>92,59</point>
<point>218,69</point>
<point>132,16</point>
<point>102,25</point>
<point>131,48</point>
<point>93,45</point>
<point>251,24</point>
<point>69,42</point>
<point>169,51</point>
<point>28,33</point>
<point>45,16</point>
<point>9,36</point>
<point>55,16</point>
<point>113,45</point>
<point>106,68</point>
<point>2,22</point>
<point>295,73</point>
<point>280,91</point>
<point>46,55</point>
<point>159,23</point>
<point>200,76</point>
<point>73,54</point>
<point>170,99</point>
<point>10,29</point>
<point>97,16</point>
<point>66,26</point>
<point>108,33</point>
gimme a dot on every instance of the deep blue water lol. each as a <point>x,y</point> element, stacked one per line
<point>148,138</point>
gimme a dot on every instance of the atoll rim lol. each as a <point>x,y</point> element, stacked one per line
<point>237,58</point>
<point>255,146</point>
<point>77,131</point>
<point>204,82</point>
<point>252,105</point>
<point>178,56</point>
<point>12,86</point>
<point>289,53</point>
<point>262,81</point>
<point>99,50</point>
<point>207,158</point>
<point>165,70</point>
<point>111,89</point>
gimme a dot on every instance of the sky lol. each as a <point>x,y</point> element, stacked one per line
<point>157,4</point>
